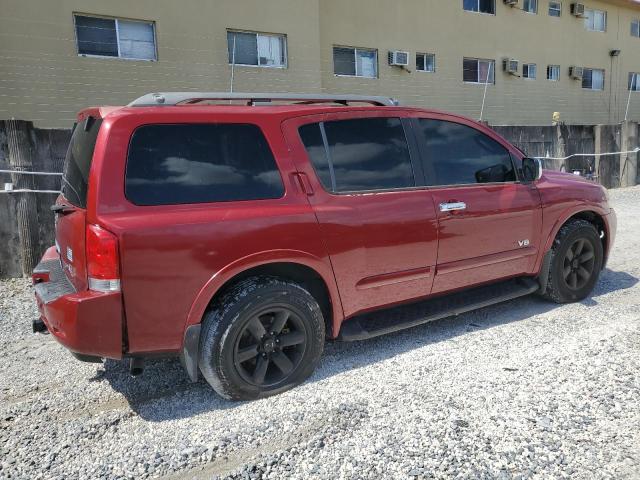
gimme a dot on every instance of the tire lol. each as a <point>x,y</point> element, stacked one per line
<point>576,261</point>
<point>261,321</point>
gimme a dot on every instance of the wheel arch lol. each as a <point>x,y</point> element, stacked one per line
<point>595,216</point>
<point>309,271</point>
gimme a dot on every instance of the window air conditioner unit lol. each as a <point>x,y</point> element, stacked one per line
<point>510,66</point>
<point>398,58</point>
<point>577,9</point>
<point>511,3</point>
<point>576,72</point>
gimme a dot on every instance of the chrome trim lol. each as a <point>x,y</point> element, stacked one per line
<point>100,285</point>
<point>453,206</point>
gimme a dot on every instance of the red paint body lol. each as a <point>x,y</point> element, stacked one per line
<point>371,250</point>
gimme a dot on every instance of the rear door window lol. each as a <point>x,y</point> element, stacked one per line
<point>359,154</point>
<point>458,154</point>
<point>78,161</point>
<point>199,163</point>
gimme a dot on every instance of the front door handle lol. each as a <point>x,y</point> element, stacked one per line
<point>452,206</point>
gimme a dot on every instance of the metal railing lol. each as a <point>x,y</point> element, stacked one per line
<point>8,186</point>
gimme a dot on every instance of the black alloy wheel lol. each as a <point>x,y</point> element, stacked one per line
<point>579,261</point>
<point>270,346</point>
<point>263,336</point>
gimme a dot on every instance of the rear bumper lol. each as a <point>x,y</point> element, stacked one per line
<point>86,322</point>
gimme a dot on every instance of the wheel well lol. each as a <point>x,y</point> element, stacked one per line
<point>597,221</point>
<point>294,272</point>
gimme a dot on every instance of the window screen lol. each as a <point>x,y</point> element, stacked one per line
<point>355,62</point>
<point>458,154</point>
<point>476,70</point>
<point>364,154</point>
<point>258,49</point>
<point>483,6</point>
<point>174,164</point>
<point>113,37</point>
<point>97,36</point>
<point>593,79</point>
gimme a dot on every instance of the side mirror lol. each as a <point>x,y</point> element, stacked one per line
<point>531,169</point>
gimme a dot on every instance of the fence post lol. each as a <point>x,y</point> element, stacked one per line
<point>628,161</point>
<point>559,150</point>
<point>20,158</point>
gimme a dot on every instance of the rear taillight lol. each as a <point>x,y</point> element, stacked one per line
<point>102,260</point>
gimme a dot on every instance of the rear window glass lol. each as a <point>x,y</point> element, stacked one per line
<point>198,163</point>
<point>78,161</point>
<point>359,155</point>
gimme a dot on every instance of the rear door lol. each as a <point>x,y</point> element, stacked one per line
<point>380,230</point>
<point>489,221</point>
<point>71,205</point>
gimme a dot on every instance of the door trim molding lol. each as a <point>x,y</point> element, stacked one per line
<point>393,277</point>
<point>485,260</point>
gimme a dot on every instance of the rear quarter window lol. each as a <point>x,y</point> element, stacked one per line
<point>200,163</point>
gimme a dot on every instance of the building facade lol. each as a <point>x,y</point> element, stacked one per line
<point>515,61</point>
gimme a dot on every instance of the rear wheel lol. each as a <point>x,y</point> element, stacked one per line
<point>576,262</point>
<point>263,337</point>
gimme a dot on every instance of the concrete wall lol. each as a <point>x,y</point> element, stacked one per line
<point>47,151</point>
<point>44,80</point>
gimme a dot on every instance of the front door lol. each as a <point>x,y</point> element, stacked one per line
<point>380,231</point>
<point>489,222</point>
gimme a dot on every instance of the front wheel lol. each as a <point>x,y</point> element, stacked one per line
<point>576,261</point>
<point>263,337</point>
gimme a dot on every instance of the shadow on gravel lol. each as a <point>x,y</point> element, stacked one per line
<point>164,392</point>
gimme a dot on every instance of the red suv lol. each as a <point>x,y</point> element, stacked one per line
<point>241,231</point>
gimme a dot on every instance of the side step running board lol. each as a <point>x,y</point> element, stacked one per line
<point>393,319</point>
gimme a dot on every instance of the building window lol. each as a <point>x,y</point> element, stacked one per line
<point>634,81</point>
<point>529,70</point>
<point>114,37</point>
<point>530,6</point>
<point>553,73</point>
<point>555,9</point>
<point>593,79</point>
<point>425,62</point>
<point>481,6</point>
<point>476,70</point>
<point>355,62</point>
<point>595,20</point>
<point>257,49</point>
<point>635,28</point>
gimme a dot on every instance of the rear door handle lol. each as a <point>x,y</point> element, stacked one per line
<point>452,206</point>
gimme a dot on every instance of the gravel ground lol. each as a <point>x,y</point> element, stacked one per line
<point>525,389</point>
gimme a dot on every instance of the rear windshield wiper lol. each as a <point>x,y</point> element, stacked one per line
<point>62,208</point>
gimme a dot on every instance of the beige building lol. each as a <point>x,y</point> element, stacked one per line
<point>58,56</point>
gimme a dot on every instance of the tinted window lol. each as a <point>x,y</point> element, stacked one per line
<point>172,164</point>
<point>458,154</point>
<point>311,136</point>
<point>78,161</point>
<point>365,154</point>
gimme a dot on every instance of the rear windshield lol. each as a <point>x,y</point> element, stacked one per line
<point>78,161</point>
<point>198,163</point>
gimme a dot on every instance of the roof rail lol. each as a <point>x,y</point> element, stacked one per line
<point>177,98</point>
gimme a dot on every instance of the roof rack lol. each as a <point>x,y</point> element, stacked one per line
<point>187,98</point>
